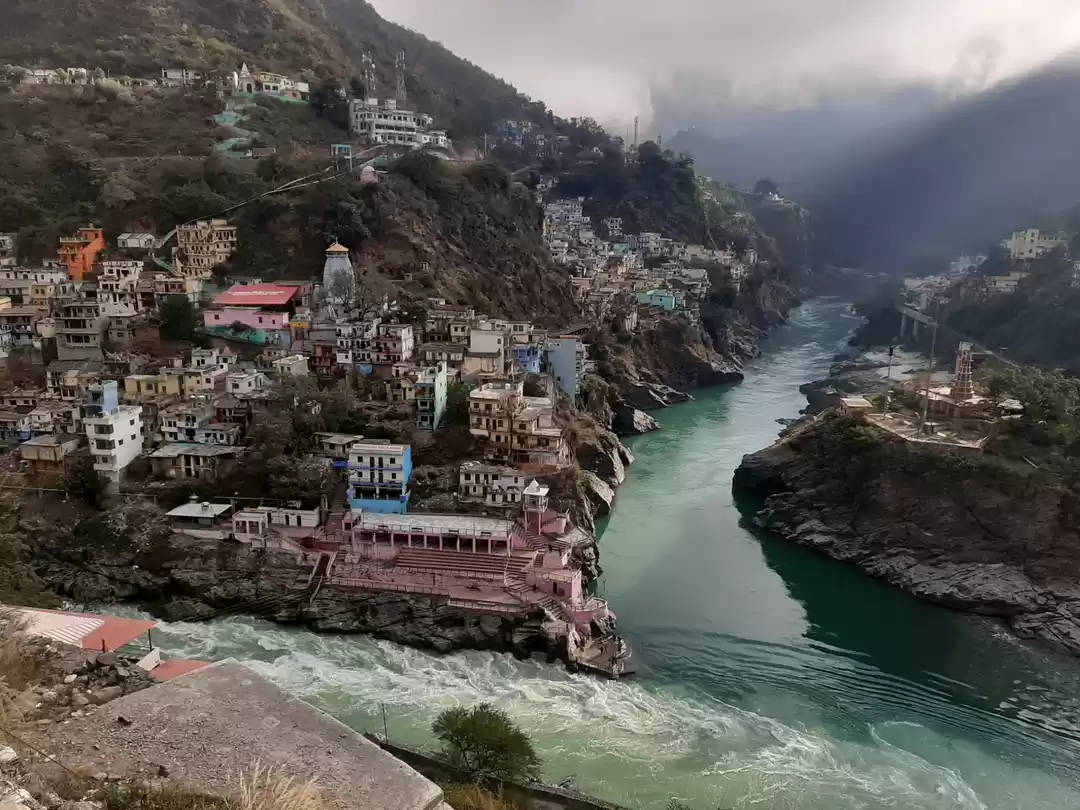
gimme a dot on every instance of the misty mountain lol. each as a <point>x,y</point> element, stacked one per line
<point>740,144</point>
<point>952,176</point>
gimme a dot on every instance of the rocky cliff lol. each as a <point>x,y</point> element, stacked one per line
<point>183,579</point>
<point>975,533</point>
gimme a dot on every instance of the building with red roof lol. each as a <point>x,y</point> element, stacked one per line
<point>254,313</point>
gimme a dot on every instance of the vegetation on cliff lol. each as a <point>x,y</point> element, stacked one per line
<point>318,40</point>
<point>1037,323</point>
<point>988,533</point>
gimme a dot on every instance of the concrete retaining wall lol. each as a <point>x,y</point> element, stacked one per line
<point>528,795</point>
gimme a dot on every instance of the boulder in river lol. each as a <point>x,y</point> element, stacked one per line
<point>600,495</point>
<point>632,422</point>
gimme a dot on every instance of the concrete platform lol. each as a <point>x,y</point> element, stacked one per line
<point>211,725</point>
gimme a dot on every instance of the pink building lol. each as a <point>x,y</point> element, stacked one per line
<point>251,318</point>
<point>519,564</point>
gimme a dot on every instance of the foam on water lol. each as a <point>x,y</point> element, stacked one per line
<point>636,742</point>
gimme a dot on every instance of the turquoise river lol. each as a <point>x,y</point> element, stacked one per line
<point>770,676</point>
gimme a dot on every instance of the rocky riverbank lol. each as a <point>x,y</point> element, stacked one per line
<point>975,533</point>
<point>183,579</point>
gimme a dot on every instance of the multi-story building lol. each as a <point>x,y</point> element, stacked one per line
<point>245,383</point>
<point>487,352</point>
<point>117,288</point>
<point>113,430</point>
<point>379,475</point>
<point>566,357</point>
<point>180,77</point>
<point>79,252</point>
<point>261,82</point>
<point>430,396</point>
<point>80,329</point>
<point>495,486</point>
<point>16,290</point>
<point>516,429</point>
<point>203,245</point>
<point>356,344</point>
<point>193,461</point>
<point>48,453</point>
<point>452,354</point>
<point>8,245</point>
<point>440,316</point>
<point>394,343</point>
<point>1031,244</point>
<point>182,422</point>
<point>381,122</point>
<point>527,358</point>
<point>254,313</point>
<point>50,273</point>
<point>69,380</point>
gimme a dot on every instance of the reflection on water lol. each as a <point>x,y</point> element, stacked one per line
<point>770,675</point>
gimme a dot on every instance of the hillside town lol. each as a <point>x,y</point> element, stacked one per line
<point>113,396</point>
<point>635,275</point>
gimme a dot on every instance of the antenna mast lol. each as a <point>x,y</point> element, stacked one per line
<point>370,83</point>
<point>402,98</point>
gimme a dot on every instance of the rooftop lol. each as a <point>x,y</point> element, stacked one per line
<point>184,449</point>
<point>51,440</point>
<point>225,717</point>
<point>462,524</point>
<point>200,510</point>
<point>257,295</point>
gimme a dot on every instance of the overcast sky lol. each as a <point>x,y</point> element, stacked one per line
<point>606,58</point>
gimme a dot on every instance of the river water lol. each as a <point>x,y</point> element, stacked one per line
<point>770,676</point>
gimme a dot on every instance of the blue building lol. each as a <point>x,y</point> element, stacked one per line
<point>528,357</point>
<point>379,475</point>
<point>566,358</point>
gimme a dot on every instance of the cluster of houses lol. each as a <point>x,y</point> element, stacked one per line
<point>636,275</point>
<point>244,81</point>
<point>94,298</point>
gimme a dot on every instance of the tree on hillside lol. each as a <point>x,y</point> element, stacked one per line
<point>485,743</point>
<point>328,102</point>
<point>766,185</point>
<point>178,318</point>
<point>82,481</point>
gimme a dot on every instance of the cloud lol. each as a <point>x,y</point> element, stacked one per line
<point>610,58</point>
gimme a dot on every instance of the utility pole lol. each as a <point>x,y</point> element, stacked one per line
<point>930,371</point>
<point>888,382</point>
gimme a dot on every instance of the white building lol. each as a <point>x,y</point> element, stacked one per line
<point>394,343</point>
<point>243,383</point>
<point>356,342</point>
<point>179,77</point>
<point>494,485</point>
<point>381,122</point>
<point>295,365</point>
<point>136,241</point>
<point>261,81</point>
<point>113,430</point>
<point>1031,244</point>
<point>429,394</point>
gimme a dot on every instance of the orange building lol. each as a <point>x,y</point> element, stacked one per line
<point>79,252</point>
